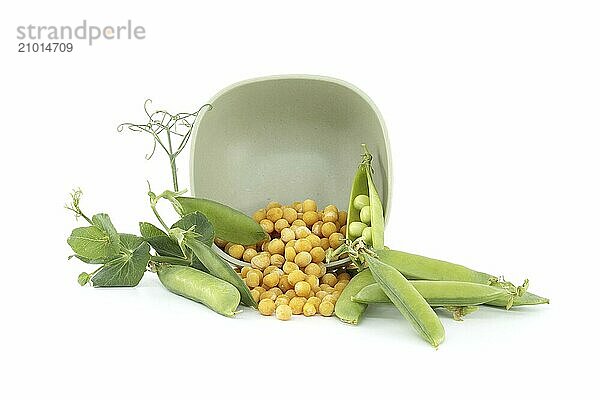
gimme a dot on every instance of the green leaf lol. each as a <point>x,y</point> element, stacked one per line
<point>89,260</point>
<point>160,241</point>
<point>130,242</point>
<point>91,242</point>
<point>149,230</point>
<point>83,278</point>
<point>201,225</point>
<point>128,267</point>
<point>103,222</point>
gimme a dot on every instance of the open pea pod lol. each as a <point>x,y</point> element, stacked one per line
<point>365,210</point>
<point>360,186</point>
<point>229,224</point>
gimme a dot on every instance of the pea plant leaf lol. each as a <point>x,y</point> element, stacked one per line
<point>201,226</point>
<point>128,267</point>
<point>96,243</point>
<point>160,241</point>
<point>103,222</point>
<point>89,260</point>
<point>91,242</point>
<point>83,278</point>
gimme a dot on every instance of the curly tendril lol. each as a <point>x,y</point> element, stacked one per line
<point>163,126</point>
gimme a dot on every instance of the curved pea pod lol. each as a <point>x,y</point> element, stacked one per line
<point>413,266</point>
<point>220,269</point>
<point>407,300</point>
<point>527,299</point>
<point>218,295</point>
<point>347,310</point>
<point>230,224</point>
<point>439,293</point>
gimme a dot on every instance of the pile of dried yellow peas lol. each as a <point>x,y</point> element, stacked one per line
<point>288,275</point>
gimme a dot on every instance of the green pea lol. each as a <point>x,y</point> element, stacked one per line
<point>407,300</point>
<point>347,310</point>
<point>367,235</point>
<point>361,201</point>
<point>216,294</point>
<point>439,293</point>
<point>365,215</point>
<point>356,228</point>
<point>230,224</point>
<point>219,268</point>
<point>360,187</point>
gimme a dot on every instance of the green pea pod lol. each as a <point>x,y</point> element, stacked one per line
<point>407,300</point>
<point>439,293</point>
<point>347,310</point>
<point>219,268</point>
<point>413,266</point>
<point>230,224</point>
<point>218,295</point>
<point>364,185</point>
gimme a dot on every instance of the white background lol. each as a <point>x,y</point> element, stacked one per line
<point>493,114</point>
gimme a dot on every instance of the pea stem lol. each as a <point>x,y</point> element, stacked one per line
<point>96,270</point>
<point>174,174</point>
<point>170,260</point>
<point>158,217</point>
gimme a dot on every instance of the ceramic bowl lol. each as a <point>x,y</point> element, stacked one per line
<point>287,138</point>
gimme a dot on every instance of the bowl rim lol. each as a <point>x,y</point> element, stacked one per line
<point>363,95</point>
<point>234,262</point>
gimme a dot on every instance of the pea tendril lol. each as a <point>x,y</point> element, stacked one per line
<point>74,205</point>
<point>162,123</point>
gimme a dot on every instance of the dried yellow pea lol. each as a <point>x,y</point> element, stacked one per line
<point>274,214</point>
<point>309,309</point>
<point>283,312</point>
<point>297,304</point>
<point>295,277</point>
<point>302,289</point>
<point>326,308</point>
<point>267,225</point>
<point>266,307</point>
